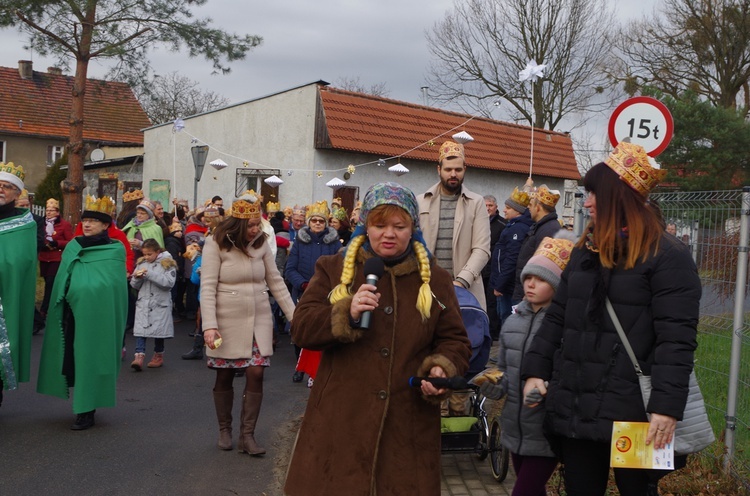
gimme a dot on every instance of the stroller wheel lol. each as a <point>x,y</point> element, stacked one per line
<point>499,456</point>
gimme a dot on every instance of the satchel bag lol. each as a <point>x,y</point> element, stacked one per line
<point>694,432</point>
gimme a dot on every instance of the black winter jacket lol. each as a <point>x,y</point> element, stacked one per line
<point>592,381</point>
<point>546,227</point>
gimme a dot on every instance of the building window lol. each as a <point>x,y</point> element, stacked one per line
<point>2,151</point>
<point>568,199</point>
<point>253,179</point>
<point>54,153</point>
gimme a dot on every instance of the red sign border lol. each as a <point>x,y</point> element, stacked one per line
<point>651,101</point>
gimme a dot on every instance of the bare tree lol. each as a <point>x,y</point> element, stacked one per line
<point>121,31</point>
<point>480,47</point>
<point>690,45</point>
<point>354,84</point>
<point>165,98</point>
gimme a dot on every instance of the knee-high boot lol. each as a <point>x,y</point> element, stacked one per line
<point>250,411</point>
<point>223,401</point>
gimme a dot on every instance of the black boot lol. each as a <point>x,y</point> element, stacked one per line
<point>84,421</point>
<point>197,352</point>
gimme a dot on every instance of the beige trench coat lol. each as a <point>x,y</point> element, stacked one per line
<point>471,235</point>
<point>234,298</point>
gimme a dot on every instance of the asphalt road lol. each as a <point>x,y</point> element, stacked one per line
<point>159,439</point>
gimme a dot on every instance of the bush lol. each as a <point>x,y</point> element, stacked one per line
<point>50,185</point>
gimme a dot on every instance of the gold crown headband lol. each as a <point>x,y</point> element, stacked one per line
<point>273,207</point>
<point>451,149</point>
<point>631,163</point>
<point>104,205</point>
<point>132,195</point>
<point>13,174</point>
<point>319,209</point>
<point>245,208</point>
<point>547,196</point>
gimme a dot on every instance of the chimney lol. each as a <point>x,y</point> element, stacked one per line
<point>55,71</point>
<point>25,69</point>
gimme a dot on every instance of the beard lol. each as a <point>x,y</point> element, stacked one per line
<point>451,186</point>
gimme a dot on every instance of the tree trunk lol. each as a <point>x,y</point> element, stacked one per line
<point>73,185</point>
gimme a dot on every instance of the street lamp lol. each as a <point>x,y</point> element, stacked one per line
<point>200,152</point>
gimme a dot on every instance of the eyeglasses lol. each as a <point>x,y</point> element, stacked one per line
<point>8,187</point>
<point>317,221</point>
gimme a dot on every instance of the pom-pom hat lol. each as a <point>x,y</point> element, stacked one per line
<point>549,260</point>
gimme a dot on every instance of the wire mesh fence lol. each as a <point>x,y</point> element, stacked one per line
<point>709,223</point>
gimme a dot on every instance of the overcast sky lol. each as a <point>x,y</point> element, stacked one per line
<point>303,41</point>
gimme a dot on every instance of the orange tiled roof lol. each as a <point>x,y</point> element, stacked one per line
<point>43,104</point>
<point>370,124</point>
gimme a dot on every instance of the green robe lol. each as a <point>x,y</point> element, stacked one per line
<point>148,229</point>
<point>91,288</point>
<point>17,295</point>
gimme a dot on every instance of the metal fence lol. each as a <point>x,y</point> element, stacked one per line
<point>714,225</point>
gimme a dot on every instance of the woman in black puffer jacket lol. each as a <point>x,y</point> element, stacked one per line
<point>653,284</point>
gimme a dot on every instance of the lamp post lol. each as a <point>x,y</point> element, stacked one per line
<point>200,152</point>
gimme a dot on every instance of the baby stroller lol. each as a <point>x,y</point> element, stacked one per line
<point>474,432</point>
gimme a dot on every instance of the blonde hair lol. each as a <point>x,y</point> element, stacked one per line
<point>424,298</point>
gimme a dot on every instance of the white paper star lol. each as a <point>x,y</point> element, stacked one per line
<point>532,71</point>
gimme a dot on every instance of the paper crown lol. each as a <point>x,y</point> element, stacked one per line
<point>339,213</point>
<point>288,211</point>
<point>211,212</point>
<point>247,206</point>
<point>24,195</point>
<point>336,201</point>
<point>272,207</point>
<point>297,210</point>
<point>180,201</point>
<point>175,226</point>
<point>547,196</point>
<point>253,193</point>
<point>133,195</point>
<point>631,163</point>
<point>147,204</point>
<point>451,149</point>
<point>549,260</point>
<point>518,200</point>
<point>104,205</point>
<point>52,203</point>
<point>13,174</point>
<point>319,209</point>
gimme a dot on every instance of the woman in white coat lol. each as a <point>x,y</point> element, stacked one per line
<point>238,268</point>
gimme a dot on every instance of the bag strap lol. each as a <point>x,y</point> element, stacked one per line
<point>623,337</point>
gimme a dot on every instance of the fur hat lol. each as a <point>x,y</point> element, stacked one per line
<point>633,165</point>
<point>549,260</point>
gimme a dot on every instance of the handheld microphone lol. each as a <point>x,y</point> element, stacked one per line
<point>440,382</point>
<point>373,269</point>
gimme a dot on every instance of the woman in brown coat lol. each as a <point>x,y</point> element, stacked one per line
<point>237,270</point>
<point>365,430</point>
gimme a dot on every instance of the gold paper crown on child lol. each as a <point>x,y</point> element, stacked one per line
<point>272,207</point>
<point>211,212</point>
<point>547,196</point>
<point>52,203</point>
<point>631,163</point>
<point>136,194</point>
<point>104,205</point>
<point>13,170</point>
<point>521,197</point>
<point>319,209</point>
<point>556,249</point>
<point>451,149</point>
<point>175,226</point>
<point>247,206</point>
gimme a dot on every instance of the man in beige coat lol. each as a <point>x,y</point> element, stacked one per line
<point>455,224</point>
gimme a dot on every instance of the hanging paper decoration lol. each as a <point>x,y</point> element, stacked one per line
<point>245,163</point>
<point>335,183</point>
<point>351,169</point>
<point>178,125</point>
<point>218,164</point>
<point>398,169</point>
<point>381,162</point>
<point>273,181</point>
<point>463,137</point>
<point>289,173</point>
<point>431,143</point>
<point>319,173</point>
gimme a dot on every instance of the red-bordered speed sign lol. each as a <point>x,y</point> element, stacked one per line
<point>646,121</point>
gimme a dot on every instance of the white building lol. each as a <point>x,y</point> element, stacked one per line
<point>311,134</point>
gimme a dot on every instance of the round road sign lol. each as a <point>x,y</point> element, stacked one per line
<point>646,121</point>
